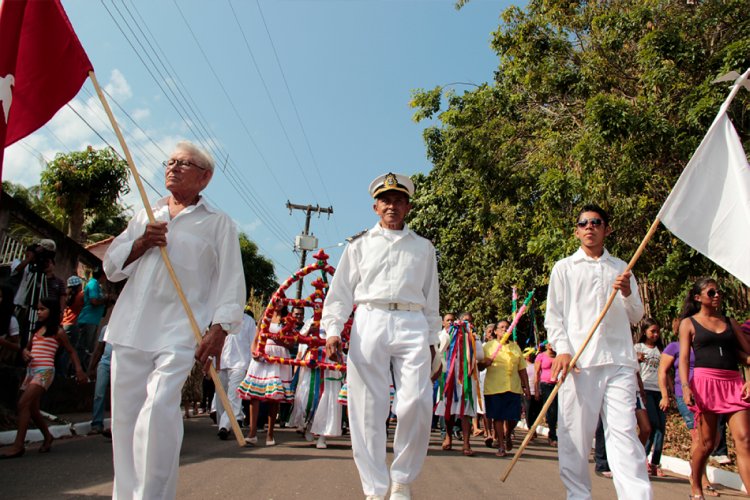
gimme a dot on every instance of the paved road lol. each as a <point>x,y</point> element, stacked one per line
<point>81,467</point>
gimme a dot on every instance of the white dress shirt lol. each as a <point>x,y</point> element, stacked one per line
<point>579,287</point>
<point>203,246</point>
<point>380,267</point>
<point>236,351</point>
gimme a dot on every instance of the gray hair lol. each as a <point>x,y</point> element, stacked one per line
<point>203,156</point>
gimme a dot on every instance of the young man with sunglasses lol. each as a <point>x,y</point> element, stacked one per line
<point>603,382</point>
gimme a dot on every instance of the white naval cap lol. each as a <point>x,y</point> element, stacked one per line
<point>391,182</point>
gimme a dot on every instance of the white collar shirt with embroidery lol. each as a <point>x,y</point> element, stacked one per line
<point>579,287</point>
<point>203,245</point>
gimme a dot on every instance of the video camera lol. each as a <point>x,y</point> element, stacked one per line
<point>40,257</point>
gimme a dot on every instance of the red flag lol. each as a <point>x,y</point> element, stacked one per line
<point>42,66</point>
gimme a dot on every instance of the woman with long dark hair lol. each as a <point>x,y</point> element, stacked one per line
<point>717,386</point>
<point>648,350</point>
<point>40,354</point>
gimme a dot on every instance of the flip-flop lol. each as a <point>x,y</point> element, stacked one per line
<point>468,452</point>
<point>711,491</point>
<point>447,446</point>
<point>501,453</point>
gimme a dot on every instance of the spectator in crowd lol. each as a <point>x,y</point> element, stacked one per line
<point>153,343</point>
<point>9,331</point>
<point>73,306</point>
<point>717,387</point>
<point>40,355</point>
<point>99,371</point>
<point>670,383</point>
<point>544,387</point>
<point>94,306</point>
<point>235,358</point>
<point>532,404</point>
<point>648,351</point>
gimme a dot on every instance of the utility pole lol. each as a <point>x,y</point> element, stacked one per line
<point>306,241</point>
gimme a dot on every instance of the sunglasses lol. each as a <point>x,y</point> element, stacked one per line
<point>596,222</point>
<point>713,292</point>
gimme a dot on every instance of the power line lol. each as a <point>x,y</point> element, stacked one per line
<point>274,228</point>
<point>296,111</point>
<point>209,143</point>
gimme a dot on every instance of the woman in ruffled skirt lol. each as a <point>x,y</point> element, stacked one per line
<point>269,382</point>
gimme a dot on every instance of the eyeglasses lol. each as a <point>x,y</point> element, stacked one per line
<point>713,292</point>
<point>596,222</point>
<point>180,164</point>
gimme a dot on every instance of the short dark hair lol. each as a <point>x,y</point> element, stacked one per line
<point>593,207</point>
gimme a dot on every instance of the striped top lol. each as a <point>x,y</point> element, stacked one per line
<point>43,351</point>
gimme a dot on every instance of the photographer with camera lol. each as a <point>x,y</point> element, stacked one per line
<point>37,279</point>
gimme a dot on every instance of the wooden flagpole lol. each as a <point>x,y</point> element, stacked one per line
<point>147,205</point>
<point>573,361</point>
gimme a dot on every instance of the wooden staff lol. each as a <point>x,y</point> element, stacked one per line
<point>573,361</point>
<point>147,205</point>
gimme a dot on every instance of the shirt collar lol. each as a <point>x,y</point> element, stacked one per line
<point>580,255</point>
<point>164,203</point>
<point>378,229</point>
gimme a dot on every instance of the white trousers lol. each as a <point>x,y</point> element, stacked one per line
<point>381,339</point>
<point>230,378</point>
<point>146,420</point>
<point>609,391</point>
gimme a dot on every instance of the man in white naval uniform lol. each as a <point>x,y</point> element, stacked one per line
<point>153,346</point>
<point>391,274</point>
<point>604,382</point>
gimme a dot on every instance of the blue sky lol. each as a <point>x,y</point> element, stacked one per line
<point>339,74</point>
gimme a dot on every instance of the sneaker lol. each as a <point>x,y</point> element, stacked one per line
<point>270,442</point>
<point>252,440</point>
<point>223,434</point>
<point>400,491</point>
<point>94,431</point>
<point>721,459</point>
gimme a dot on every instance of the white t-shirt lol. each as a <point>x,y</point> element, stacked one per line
<point>649,366</point>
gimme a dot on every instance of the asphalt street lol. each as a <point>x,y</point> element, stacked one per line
<point>81,467</point>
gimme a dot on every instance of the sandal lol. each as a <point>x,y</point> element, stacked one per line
<point>501,453</point>
<point>447,444</point>
<point>711,491</point>
<point>468,452</point>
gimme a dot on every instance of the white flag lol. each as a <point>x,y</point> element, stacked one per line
<point>709,207</point>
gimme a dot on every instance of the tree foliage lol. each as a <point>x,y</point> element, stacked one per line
<point>260,278</point>
<point>85,184</point>
<point>591,102</point>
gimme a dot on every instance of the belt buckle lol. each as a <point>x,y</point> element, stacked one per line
<point>393,306</point>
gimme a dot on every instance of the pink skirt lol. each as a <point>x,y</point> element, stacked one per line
<point>717,391</point>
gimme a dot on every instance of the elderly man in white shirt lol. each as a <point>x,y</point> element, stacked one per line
<point>391,274</point>
<point>235,358</point>
<point>153,345</point>
<point>604,381</point>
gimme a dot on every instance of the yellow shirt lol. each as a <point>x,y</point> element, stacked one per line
<point>502,374</point>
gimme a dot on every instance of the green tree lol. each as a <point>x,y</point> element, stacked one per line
<point>85,183</point>
<point>591,102</point>
<point>260,278</point>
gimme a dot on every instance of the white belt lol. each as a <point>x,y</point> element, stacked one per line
<point>396,306</point>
